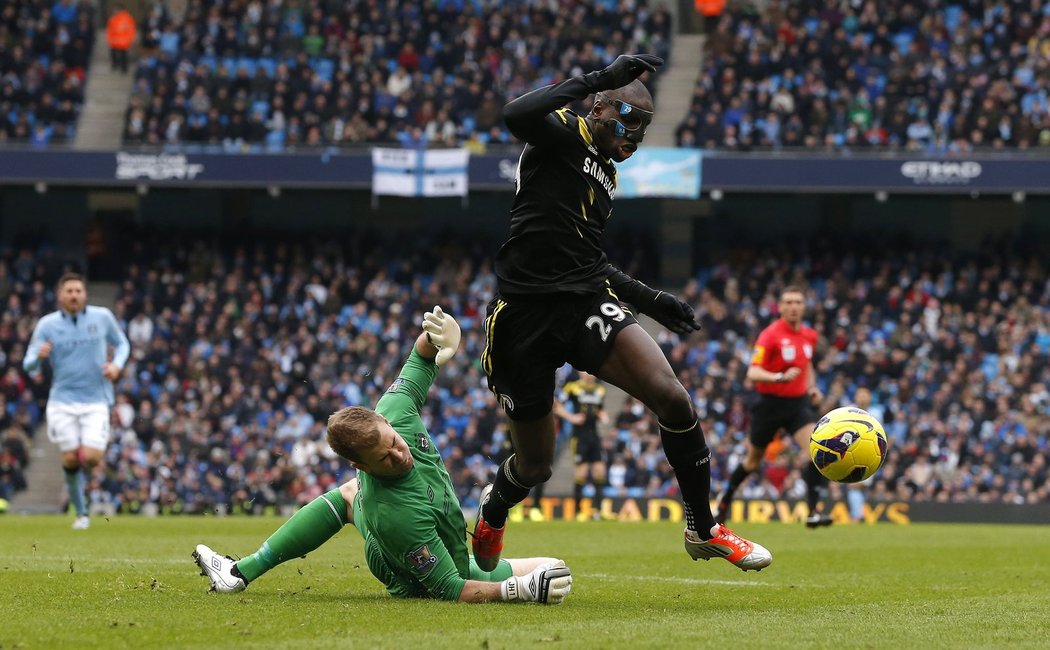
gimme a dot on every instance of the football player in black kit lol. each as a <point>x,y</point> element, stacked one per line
<point>559,300</point>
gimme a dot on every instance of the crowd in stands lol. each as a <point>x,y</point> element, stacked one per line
<point>264,75</point>
<point>240,353</point>
<point>45,49</point>
<point>25,279</point>
<point>944,76</point>
<point>954,349</point>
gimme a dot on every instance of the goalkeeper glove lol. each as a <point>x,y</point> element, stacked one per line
<point>443,333</point>
<point>548,584</point>
<point>625,69</point>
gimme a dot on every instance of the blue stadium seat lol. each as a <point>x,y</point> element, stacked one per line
<point>268,65</point>
<point>324,68</point>
<point>902,41</point>
<point>275,141</point>
<point>990,366</point>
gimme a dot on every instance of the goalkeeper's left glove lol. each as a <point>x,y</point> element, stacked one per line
<point>443,333</point>
<point>548,584</point>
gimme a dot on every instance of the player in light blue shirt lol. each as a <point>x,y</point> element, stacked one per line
<point>76,339</point>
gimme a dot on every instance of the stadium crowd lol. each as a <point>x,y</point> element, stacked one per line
<point>45,49</point>
<point>240,354</point>
<point>934,77</point>
<point>955,350</point>
<point>281,75</point>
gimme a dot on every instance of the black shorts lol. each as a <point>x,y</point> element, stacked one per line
<point>770,414</point>
<point>588,448</point>
<point>527,338</point>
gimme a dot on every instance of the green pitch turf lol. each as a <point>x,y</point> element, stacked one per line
<point>130,583</point>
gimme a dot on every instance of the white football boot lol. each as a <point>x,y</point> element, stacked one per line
<point>219,569</point>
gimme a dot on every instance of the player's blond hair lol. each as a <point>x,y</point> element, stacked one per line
<point>352,429</point>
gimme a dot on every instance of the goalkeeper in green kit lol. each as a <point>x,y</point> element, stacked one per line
<point>402,502</point>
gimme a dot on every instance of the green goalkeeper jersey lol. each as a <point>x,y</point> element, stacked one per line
<point>413,527</point>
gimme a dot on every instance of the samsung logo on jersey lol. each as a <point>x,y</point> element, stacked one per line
<point>592,168</point>
<point>924,172</point>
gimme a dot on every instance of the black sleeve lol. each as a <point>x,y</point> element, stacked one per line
<point>529,117</point>
<point>630,290</point>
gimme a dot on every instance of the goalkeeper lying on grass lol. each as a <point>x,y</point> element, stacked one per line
<point>402,502</point>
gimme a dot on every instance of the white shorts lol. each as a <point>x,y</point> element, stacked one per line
<point>71,426</point>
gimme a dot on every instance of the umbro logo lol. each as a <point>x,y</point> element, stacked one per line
<point>215,564</point>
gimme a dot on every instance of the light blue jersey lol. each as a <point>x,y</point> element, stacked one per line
<point>79,347</point>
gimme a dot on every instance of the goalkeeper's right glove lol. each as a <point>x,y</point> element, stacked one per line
<point>548,584</point>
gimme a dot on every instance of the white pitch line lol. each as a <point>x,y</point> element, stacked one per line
<point>688,581</point>
<point>137,563</point>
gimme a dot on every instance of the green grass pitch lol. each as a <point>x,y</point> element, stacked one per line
<point>129,582</point>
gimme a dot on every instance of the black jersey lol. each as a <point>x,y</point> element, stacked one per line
<point>588,400</point>
<point>565,189</point>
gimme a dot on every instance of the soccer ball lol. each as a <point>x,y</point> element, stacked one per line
<point>848,445</point>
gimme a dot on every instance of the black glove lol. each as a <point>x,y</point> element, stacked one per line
<point>673,313</point>
<point>665,308</point>
<point>625,69</point>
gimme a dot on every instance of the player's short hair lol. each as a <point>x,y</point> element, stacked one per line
<point>352,429</point>
<point>69,276</point>
<point>792,288</point>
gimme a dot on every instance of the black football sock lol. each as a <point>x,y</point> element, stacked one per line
<point>815,483</point>
<point>738,476</point>
<point>577,494</point>
<point>507,492</point>
<point>690,458</point>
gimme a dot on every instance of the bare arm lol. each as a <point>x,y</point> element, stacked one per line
<point>425,348</point>
<point>814,392</point>
<point>565,414</point>
<point>759,374</point>
<point>476,591</point>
